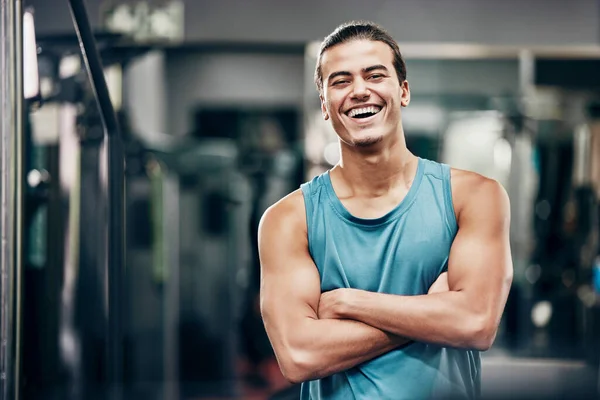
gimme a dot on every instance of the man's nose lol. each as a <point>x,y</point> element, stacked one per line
<point>360,89</point>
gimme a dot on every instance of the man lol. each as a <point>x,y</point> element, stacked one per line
<point>348,260</point>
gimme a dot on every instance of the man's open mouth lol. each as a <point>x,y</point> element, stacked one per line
<point>363,112</point>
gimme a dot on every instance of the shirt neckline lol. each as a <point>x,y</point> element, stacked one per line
<point>392,214</point>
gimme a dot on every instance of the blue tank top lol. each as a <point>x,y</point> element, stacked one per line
<point>402,252</point>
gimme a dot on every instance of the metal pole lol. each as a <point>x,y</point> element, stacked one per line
<point>116,200</point>
<point>20,193</point>
<point>7,192</point>
<point>171,242</point>
<point>11,190</point>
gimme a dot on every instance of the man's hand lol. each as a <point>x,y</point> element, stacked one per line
<point>331,304</point>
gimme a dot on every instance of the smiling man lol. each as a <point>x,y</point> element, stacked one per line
<point>384,277</point>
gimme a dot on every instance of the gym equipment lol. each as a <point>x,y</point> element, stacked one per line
<point>12,200</point>
<point>21,204</point>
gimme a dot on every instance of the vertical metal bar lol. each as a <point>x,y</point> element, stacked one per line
<point>93,64</point>
<point>171,245</point>
<point>116,200</point>
<point>19,189</point>
<point>11,206</point>
<point>116,244</point>
<point>7,192</point>
<point>68,209</point>
<point>520,243</point>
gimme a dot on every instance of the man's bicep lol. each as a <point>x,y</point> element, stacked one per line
<point>480,263</point>
<point>290,283</point>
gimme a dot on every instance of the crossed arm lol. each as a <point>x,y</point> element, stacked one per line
<point>479,279</point>
<point>306,347</point>
<point>315,335</point>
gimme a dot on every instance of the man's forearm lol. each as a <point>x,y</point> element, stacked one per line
<point>441,318</point>
<point>322,347</point>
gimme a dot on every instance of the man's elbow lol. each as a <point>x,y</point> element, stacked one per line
<point>296,366</point>
<point>484,341</point>
<point>483,326</point>
<point>481,336</point>
<point>294,376</point>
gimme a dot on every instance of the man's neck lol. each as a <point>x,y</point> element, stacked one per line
<point>376,173</point>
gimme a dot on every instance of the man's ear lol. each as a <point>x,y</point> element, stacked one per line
<point>405,97</point>
<point>323,108</point>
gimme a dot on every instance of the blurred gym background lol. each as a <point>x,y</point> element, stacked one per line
<point>145,287</point>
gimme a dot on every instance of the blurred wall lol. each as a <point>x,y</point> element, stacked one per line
<point>480,21</point>
<point>481,77</point>
<point>276,80</point>
<point>145,93</point>
<point>230,79</point>
<point>163,89</point>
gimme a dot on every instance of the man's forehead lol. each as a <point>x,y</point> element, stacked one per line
<point>356,55</point>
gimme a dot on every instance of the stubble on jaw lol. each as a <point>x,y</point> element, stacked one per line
<point>367,142</point>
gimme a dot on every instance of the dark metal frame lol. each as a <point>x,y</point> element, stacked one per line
<point>116,200</point>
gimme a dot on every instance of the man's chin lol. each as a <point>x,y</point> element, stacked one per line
<point>367,142</point>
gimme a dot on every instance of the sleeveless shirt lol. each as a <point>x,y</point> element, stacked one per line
<point>402,253</point>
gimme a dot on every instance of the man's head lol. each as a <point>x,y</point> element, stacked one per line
<point>355,31</point>
<point>361,78</point>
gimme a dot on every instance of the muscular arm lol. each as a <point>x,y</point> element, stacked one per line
<point>479,278</point>
<point>306,347</point>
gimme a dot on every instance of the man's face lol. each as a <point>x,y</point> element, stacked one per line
<point>361,92</point>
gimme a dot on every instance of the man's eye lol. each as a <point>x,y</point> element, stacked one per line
<point>376,76</point>
<point>339,82</point>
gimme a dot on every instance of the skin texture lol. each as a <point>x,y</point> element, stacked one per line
<point>316,334</point>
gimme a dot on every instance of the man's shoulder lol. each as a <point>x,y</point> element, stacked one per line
<point>465,180</point>
<point>286,213</point>
<point>471,190</point>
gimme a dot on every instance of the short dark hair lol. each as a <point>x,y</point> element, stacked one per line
<point>356,30</point>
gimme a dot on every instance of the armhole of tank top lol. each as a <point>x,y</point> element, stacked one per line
<point>450,214</point>
<point>308,211</point>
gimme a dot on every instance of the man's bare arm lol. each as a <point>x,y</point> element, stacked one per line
<point>306,347</point>
<point>479,278</point>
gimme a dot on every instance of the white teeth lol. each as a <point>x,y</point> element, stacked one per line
<point>363,110</point>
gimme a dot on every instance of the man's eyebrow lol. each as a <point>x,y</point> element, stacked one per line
<point>364,70</point>
<point>374,67</point>
<point>338,73</point>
